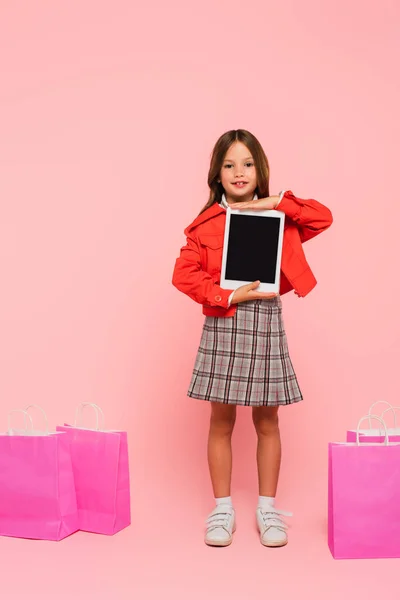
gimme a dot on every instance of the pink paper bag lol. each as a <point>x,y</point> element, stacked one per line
<point>364,500</point>
<point>101,473</point>
<point>37,493</point>
<point>373,436</point>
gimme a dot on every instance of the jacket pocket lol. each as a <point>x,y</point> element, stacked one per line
<point>211,255</point>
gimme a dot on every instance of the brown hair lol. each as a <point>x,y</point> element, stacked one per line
<point>217,158</point>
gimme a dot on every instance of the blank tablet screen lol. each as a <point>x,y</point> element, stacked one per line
<point>252,248</point>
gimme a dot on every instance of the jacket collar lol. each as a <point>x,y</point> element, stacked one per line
<point>210,213</point>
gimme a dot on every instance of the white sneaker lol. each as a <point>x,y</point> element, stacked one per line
<point>220,526</point>
<point>272,528</point>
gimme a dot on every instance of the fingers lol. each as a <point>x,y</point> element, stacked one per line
<point>258,295</point>
<point>245,206</point>
<point>250,288</point>
<point>261,295</point>
<point>253,286</point>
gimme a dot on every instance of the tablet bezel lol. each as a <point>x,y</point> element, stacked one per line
<point>232,284</point>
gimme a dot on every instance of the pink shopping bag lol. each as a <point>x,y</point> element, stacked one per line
<point>101,473</point>
<point>364,499</point>
<point>372,435</point>
<point>37,492</point>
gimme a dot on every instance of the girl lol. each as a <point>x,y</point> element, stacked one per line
<point>243,357</point>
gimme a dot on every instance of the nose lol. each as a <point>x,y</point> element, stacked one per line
<point>238,171</point>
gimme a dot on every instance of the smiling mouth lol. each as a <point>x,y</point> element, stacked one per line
<point>240,184</point>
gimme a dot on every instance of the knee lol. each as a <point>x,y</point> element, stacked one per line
<point>223,422</point>
<point>266,424</point>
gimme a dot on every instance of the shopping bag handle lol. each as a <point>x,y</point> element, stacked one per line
<point>376,418</point>
<point>372,406</point>
<point>27,417</point>
<point>394,410</point>
<point>97,409</point>
<point>46,421</point>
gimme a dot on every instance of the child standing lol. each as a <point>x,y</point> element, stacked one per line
<point>243,357</point>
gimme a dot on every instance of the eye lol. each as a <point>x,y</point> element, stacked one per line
<point>227,166</point>
<point>249,164</point>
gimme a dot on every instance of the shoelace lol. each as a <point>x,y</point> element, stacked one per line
<point>219,519</point>
<point>271,518</point>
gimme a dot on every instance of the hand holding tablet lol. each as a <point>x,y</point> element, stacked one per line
<point>248,292</point>
<point>269,203</point>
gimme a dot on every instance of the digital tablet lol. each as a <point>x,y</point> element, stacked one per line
<point>252,249</point>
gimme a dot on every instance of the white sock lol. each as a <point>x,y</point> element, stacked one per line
<point>265,501</point>
<point>226,500</point>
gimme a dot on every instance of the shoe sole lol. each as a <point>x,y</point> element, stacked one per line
<point>274,544</point>
<point>221,544</point>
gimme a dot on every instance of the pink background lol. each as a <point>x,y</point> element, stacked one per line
<point>108,114</point>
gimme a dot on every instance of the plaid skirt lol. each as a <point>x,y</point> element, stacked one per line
<point>245,359</point>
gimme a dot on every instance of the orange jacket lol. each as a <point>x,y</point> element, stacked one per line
<point>197,271</point>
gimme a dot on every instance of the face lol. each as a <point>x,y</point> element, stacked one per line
<point>238,174</point>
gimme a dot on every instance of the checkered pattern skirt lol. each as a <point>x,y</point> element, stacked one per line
<point>244,359</point>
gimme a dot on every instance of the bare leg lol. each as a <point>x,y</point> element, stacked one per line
<point>266,422</point>
<point>219,449</point>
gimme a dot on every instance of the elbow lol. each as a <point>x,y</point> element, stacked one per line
<point>329,218</point>
<point>175,277</point>
<point>326,220</point>
<point>175,281</point>
<point>179,281</point>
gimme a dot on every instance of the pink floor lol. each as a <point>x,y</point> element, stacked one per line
<point>161,556</point>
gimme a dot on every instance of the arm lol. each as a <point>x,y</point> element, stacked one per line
<point>189,278</point>
<point>310,216</point>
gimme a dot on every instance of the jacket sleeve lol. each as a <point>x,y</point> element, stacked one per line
<point>310,216</point>
<point>189,278</point>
